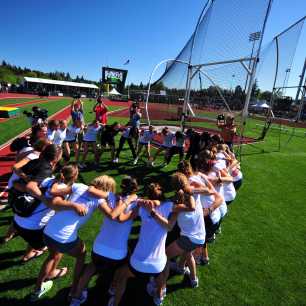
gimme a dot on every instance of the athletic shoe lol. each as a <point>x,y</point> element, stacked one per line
<point>81,300</point>
<point>151,290</point>
<point>81,166</point>
<point>219,231</point>
<point>111,301</point>
<point>111,291</point>
<point>194,283</point>
<point>116,161</point>
<point>135,161</point>
<point>211,239</point>
<point>45,287</point>
<point>176,269</point>
<point>204,261</point>
<point>158,300</point>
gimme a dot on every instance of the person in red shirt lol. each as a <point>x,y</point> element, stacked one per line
<point>101,111</point>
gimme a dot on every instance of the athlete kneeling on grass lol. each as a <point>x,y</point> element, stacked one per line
<point>61,232</point>
<point>149,256</point>
<point>110,247</point>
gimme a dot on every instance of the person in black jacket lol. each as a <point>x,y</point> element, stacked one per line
<point>194,146</point>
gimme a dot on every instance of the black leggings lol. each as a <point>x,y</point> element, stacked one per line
<point>121,144</point>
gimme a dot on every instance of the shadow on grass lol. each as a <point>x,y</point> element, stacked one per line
<point>15,285</point>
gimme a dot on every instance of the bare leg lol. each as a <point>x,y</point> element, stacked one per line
<point>76,151</point>
<point>66,151</point>
<point>161,281</point>
<point>85,147</point>
<point>11,233</point>
<point>79,252</point>
<point>191,265</point>
<point>52,260</point>
<point>123,275</point>
<point>88,273</point>
<point>96,152</point>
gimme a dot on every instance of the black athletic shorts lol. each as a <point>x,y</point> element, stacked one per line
<point>143,275</point>
<point>33,237</point>
<point>186,244</point>
<point>104,263</point>
<point>59,246</point>
<point>107,140</point>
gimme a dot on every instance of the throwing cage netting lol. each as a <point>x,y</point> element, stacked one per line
<point>281,81</point>
<point>214,72</point>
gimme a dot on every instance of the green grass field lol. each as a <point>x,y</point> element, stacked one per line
<point>259,259</point>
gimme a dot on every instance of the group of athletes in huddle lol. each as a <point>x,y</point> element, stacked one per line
<point>204,185</point>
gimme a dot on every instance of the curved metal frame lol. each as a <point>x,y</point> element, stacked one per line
<point>150,81</point>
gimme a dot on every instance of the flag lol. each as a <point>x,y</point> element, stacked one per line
<point>127,62</point>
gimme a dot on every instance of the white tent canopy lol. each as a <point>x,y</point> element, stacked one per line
<point>264,105</point>
<point>114,92</point>
<point>57,82</point>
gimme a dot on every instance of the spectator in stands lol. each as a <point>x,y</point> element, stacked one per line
<point>101,111</point>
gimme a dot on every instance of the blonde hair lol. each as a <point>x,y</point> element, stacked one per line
<point>182,188</point>
<point>105,183</point>
<point>179,181</point>
<point>185,167</point>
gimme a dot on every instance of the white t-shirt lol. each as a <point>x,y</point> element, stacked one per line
<point>72,132</point>
<point>206,201</point>
<point>168,140</point>
<point>59,137</point>
<point>146,137</point>
<point>14,177</point>
<point>236,174</point>
<point>192,224</point>
<point>149,255</point>
<point>51,135</point>
<point>112,240</point>
<point>42,214</point>
<point>92,133</point>
<point>219,188</point>
<point>64,225</point>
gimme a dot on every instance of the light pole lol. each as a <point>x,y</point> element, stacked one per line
<point>253,37</point>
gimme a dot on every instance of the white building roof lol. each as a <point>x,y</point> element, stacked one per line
<point>56,82</point>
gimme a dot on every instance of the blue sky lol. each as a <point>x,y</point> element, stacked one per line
<point>81,36</point>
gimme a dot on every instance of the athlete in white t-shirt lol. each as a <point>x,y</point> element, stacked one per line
<point>61,232</point>
<point>146,136</point>
<point>90,139</point>
<point>72,133</point>
<point>149,256</point>
<point>110,247</point>
<point>168,142</point>
<point>60,134</point>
